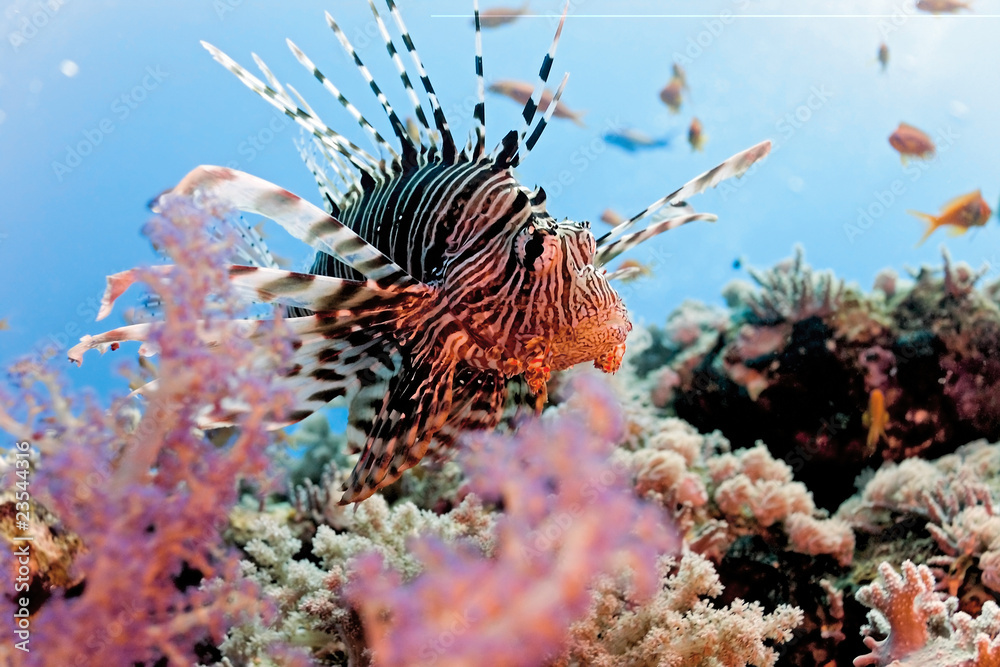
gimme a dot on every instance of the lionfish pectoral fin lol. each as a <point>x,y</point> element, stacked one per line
<point>301,219</point>
<point>734,166</point>
<point>611,250</point>
<point>413,409</point>
<point>478,399</point>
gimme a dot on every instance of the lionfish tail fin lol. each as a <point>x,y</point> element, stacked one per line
<point>735,166</point>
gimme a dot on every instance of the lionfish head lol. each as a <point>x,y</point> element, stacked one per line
<point>563,296</point>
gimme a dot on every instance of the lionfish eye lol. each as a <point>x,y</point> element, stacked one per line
<point>535,248</point>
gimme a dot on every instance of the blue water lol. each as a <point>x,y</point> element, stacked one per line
<point>148,104</point>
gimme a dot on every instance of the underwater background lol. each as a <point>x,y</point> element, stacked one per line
<point>63,231</point>
<point>792,466</point>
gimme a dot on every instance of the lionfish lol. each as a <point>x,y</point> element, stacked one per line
<point>441,285</point>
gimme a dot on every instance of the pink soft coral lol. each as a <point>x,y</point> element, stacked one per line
<point>149,494</point>
<point>568,517</point>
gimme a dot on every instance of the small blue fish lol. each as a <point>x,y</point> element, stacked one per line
<point>634,140</point>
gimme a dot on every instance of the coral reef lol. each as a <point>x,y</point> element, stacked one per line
<point>800,355</point>
<point>608,532</point>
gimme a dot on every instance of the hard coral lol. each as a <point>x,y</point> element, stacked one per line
<point>568,518</point>
<point>799,363</point>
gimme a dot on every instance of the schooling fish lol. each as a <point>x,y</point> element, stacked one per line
<point>960,213</point>
<point>942,6</point>
<point>911,142</point>
<point>442,286</point>
<point>498,16</point>
<point>671,94</point>
<point>875,419</point>
<point>634,140</point>
<point>521,92</point>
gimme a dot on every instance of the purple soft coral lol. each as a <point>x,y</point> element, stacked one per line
<point>569,516</point>
<point>148,495</point>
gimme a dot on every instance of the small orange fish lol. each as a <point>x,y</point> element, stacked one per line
<point>632,269</point>
<point>498,16</point>
<point>671,94</point>
<point>4,324</point>
<point>883,55</point>
<point>969,210</point>
<point>875,419</point>
<point>612,217</point>
<point>695,136</point>
<point>910,141</point>
<point>520,92</point>
<point>942,6</point>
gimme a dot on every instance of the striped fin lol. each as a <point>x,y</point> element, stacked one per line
<point>479,113</point>
<point>313,292</point>
<point>540,127</point>
<point>397,125</point>
<point>277,98</point>
<point>609,251</point>
<point>373,134</point>
<point>531,106</point>
<point>390,46</point>
<point>734,166</point>
<point>448,142</point>
<point>477,404</point>
<point>414,408</point>
<point>303,220</point>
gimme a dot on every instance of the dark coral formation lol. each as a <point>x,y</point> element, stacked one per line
<point>800,354</point>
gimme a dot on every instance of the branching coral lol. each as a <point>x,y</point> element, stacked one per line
<point>805,358</point>
<point>679,627</point>
<point>568,518</point>
<point>148,497</point>
<point>792,292</point>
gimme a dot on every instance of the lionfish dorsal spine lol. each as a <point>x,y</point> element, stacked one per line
<point>479,112</point>
<point>511,154</point>
<point>609,251</point>
<point>404,76</point>
<point>277,98</point>
<point>448,152</point>
<point>377,139</point>
<point>398,128</point>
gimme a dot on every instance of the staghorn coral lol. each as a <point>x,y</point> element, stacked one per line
<point>147,497</point>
